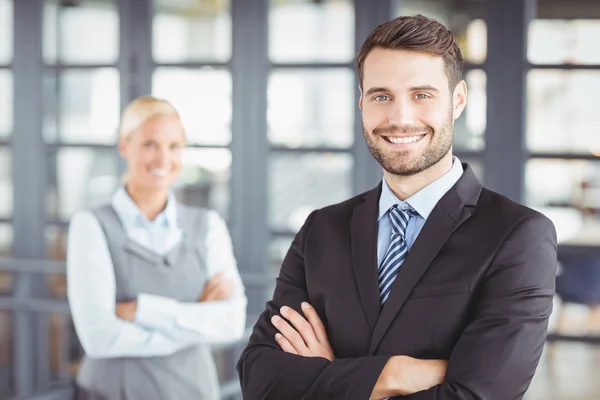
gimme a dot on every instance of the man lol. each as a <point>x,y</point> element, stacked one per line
<point>427,287</point>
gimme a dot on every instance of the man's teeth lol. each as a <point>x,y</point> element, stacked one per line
<point>159,172</point>
<point>397,140</point>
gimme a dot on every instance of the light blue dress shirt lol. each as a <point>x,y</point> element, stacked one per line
<point>422,202</point>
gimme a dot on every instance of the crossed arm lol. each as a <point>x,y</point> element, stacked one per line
<point>306,336</point>
<point>494,357</point>
<point>150,325</point>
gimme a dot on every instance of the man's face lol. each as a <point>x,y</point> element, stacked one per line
<point>408,110</point>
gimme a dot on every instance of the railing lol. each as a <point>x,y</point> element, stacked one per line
<point>66,391</point>
<point>26,276</point>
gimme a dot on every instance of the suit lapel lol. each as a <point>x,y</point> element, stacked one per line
<point>364,253</point>
<point>450,212</point>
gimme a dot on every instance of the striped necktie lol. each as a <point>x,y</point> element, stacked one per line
<point>396,252</point>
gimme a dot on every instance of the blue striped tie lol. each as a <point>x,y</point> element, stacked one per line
<point>396,252</point>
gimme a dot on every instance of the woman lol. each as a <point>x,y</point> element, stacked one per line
<point>151,282</point>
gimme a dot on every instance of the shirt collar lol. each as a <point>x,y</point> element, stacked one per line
<point>425,199</point>
<point>131,216</point>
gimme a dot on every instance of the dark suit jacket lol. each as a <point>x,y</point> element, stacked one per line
<point>476,289</point>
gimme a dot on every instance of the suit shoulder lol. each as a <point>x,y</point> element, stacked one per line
<point>507,210</point>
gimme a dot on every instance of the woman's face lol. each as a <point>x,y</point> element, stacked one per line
<point>153,152</point>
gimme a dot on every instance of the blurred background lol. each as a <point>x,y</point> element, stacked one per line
<point>268,93</point>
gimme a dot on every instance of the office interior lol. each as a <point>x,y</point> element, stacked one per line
<point>268,94</point>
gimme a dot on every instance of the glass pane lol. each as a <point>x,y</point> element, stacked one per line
<point>82,106</point>
<point>202,97</point>
<point>558,41</point>
<point>569,372</point>
<point>6,242</point>
<point>57,285</point>
<point>6,32</point>
<point>56,242</point>
<point>469,129</point>
<point>64,349</point>
<point>80,178</point>
<point>311,31</point>
<point>6,103</point>
<point>6,184</point>
<point>278,248</point>
<point>568,192</point>
<point>191,31</point>
<point>562,115</point>
<point>464,19</point>
<point>82,32</point>
<point>6,283</point>
<point>301,183</point>
<point>204,179</point>
<point>6,355</point>
<point>311,108</point>
<point>476,165</point>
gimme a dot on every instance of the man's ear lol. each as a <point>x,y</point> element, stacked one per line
<point>459,99</point>
<point>360,98</point>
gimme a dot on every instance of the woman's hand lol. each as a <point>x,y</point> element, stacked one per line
<point>217,288</point>
<point>126,310</point>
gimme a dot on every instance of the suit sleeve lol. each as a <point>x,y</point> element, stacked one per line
<point>498,351</point>
<point>266,372</point>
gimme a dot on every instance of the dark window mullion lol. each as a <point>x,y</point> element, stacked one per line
<point>56,146</point>
<point>566,67</point>
<point>563,156</point>
<point>316,65</point>
<point>300,150</point>
<point>194,65</point>
<point>59,67</point>
<point>470,154</point>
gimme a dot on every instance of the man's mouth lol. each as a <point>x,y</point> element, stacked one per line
<point>405,139</point>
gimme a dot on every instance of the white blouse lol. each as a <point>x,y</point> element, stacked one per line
<point>162,325</point>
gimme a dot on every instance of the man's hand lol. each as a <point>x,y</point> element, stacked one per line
<point>405,375</point>
<point>217,288</point>
<point>126,310</point>
<point>305,338</point>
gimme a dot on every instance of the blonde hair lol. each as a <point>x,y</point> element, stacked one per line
<point>141,110</point>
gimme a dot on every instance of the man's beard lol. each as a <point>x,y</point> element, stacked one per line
<point>397,162</point>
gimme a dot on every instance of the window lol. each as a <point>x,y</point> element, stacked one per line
<point>563,134</point>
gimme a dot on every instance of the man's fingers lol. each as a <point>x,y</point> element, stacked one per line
<point>285,344</point>
<point>315,322</point>
<point>300,324</point>
<point>290,334</point>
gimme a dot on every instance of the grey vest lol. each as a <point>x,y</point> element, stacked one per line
<point>180,274</point>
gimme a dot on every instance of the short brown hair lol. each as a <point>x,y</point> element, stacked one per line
<point>417,33</point>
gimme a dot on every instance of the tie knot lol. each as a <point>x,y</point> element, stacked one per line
<point>400,218</point>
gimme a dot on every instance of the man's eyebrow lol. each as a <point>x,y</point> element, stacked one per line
<point>381,89</point>
<point>424,87</point>
<point>376,90</point>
